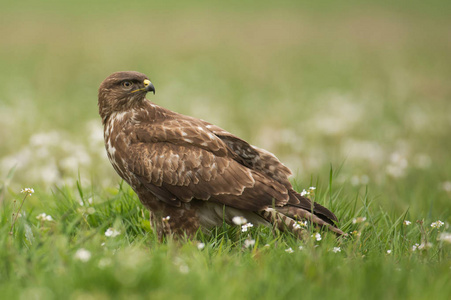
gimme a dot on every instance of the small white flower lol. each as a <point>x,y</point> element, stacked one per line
<point>407,222</point>
<point>301,248</point>
<point>200,246</point>
<point>300,224</point>
<point>104,262</point>
<point>166,219</point>
<point>356,233</point>
<point>388,251</point>
<point>184,269</point>
<point>289,250</point>
<point>445,237</point>
<point>317,236</point>
<point>304,192</point>
<point>424,246</point>
<point>238,220</point>
<point>446,186</point>
<point>245,227</point>
<point>82,255</point>
<point>249,243</point>
<point>437,224</point>
<point>358,220</point>
<point>312,188</point>
<point>28,191</point>
<point>43,217</point>
<point>336,249</point>
<point>111,232</point>
<point>267,245</point>
<point>415,247</point>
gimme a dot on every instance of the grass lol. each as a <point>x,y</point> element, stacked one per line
<point>354,98</point>
<point>40,258</point>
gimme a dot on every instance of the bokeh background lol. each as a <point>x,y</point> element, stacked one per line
<point>362,87</point>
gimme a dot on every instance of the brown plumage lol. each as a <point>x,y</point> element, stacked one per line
<point>193,172</point>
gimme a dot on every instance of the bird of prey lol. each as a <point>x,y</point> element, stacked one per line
<point>194,175</point>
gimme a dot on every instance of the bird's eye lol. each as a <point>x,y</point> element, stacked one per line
<point>127,84</point>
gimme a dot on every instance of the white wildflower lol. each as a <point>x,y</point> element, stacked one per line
<point>111,232</point>
<point>336,249</point>
<point>89,200</point>
<point>28,191</point>
<point>338,116</point>
<point>300,224</point>
<point>364,179</point>
<point>249,243</point>
<point>239,220</point>
<point>358,220</point>
<point>312,188</point>
<point>200,246</point>
<point>317,236</point>
<point>407,222</point>
<point>82,255</point>
<point>184,269</point>
<point>437,224</point>
<point>289,250</point>
<point>355,180</point>
<point>356,233</point>
<point>445,237</point>
<point>365,151</point>
<point>301,248</point>
<point>166,219</point>
<point>388,251</point>
<point>446,186</point>
<point>422,161</point>
<point>246,226</point>
<point>415,247</point>
<point>397,166</point>
<point>424,246</point>
<point>304,192</point>
<point>104,262</point>
<point>44,217</point>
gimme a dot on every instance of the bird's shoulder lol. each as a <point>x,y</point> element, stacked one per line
<point>155,124</point>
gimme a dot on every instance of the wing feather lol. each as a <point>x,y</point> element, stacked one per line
<point>200,174</point>
<point>252,156</point>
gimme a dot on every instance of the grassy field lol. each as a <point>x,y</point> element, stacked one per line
<point>354,98</point>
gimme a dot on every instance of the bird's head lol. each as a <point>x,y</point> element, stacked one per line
<point>121,91</point>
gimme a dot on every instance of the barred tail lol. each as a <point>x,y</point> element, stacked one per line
<point>287,219</point>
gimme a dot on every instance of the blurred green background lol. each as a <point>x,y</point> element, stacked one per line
<point>362,86</point>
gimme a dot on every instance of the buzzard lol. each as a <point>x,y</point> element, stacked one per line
<point>192,174</point>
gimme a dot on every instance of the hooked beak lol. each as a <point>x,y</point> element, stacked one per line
<point>149,86</point>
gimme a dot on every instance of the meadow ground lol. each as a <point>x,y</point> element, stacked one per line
<point>354,98</point>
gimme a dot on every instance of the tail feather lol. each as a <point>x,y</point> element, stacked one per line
<point>286,219</point>
<point>283,222</point>
<point>304,203</point>
<point>301,214</point>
